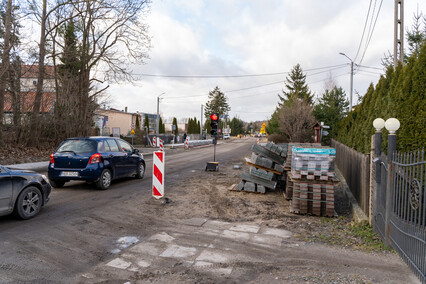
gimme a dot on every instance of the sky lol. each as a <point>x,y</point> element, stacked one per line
<point>200,44</point>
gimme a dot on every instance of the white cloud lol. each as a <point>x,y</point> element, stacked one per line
<point>249,37</point>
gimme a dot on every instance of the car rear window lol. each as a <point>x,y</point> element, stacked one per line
<point>78,146</point>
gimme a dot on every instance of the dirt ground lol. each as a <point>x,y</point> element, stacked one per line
<point>209,195</point>
<point>215,200</point>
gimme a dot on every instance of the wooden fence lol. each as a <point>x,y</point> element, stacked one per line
<point>355,167</point>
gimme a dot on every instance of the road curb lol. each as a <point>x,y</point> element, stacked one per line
<point>357,214</point>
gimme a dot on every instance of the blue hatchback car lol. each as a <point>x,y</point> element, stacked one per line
<point>94,159</point>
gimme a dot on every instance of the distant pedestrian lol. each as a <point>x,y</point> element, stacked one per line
<point>184,137</point>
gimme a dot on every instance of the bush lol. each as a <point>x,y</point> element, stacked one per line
<point>277,138</point>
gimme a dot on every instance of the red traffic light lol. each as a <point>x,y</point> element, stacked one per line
<point>213,116</point>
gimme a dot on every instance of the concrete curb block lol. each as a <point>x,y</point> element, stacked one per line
<point>358,215</point>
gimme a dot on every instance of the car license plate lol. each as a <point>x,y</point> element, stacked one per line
<point>69,174</point>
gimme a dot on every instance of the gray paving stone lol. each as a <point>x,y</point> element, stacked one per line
<point>250,186</point>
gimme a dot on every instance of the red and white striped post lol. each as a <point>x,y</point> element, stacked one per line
<point>257,140</point>
<point>160,143</point>
<point>154,141</point>
<point>158,174</point>
<point>187,143</point>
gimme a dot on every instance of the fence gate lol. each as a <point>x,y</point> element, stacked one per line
<point>400,207</point>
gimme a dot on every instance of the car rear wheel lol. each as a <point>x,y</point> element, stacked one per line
<point>57,183</point>
<point>105,180</point>
<point>28,203</point>
<point>141,171</point>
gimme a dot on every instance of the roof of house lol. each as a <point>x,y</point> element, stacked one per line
<point>27,101</point>
<point>31,71</point>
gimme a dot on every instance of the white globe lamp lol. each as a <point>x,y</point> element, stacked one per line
<point>392,125</point>
<point>378,124</point>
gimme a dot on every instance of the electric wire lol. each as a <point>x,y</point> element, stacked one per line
<point>363,31</point>
<point>228,76</point>
<point>372,31</point>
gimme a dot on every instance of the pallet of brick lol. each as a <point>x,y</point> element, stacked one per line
<point>313,197</point>
<point>287,165</point>
<point>313,163</point>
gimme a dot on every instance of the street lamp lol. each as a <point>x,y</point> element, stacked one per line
<point>352,79</point>
<point>392,125</point>
<point>158,114</point>
<point>378,124</point>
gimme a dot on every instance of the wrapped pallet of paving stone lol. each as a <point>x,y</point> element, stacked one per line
<point>313,163</point>
<point>266,171</point>
<point>312,181</point>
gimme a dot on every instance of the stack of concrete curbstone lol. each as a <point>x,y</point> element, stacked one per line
<point>266,170</point>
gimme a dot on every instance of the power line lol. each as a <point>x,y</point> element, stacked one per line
<point>363,31</point>
<point>226,76</point>
<point>253,95</point>
<point>254,87</point>
<point>363,66</point>
<point>372,31</point>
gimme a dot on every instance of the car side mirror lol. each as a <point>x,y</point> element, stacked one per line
<point>135,151</point>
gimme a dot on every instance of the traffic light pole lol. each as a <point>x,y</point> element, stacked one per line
<point>214,147</point>
<point>213,166</point>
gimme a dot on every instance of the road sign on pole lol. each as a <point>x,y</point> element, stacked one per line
<point>158,174</point>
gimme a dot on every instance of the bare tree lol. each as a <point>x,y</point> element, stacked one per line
<point>100,36</point>
<point>4,70</point>
<point>110,34</point>
<point>296,121</point>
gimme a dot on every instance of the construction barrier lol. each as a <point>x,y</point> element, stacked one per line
<point>154,141</point>
<point>158,174</point>
<point>161,145</point>
<point>187,143</point>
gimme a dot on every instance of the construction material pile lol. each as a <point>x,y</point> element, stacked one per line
<point>311,180</point>
<point>266,170</point>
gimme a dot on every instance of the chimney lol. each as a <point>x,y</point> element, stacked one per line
<point>125,109</point>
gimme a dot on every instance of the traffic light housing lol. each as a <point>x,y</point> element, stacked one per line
<point>214,121</point>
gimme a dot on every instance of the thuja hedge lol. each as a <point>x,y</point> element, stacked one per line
<point>400,93</point>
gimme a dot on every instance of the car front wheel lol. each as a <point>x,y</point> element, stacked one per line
<point>141,171</point>
<point>105,180</point>
<point>28,203</point>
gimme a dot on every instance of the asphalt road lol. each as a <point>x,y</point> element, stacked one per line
<point>78,228</point>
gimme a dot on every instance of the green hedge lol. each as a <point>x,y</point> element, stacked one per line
<point>401,93</point>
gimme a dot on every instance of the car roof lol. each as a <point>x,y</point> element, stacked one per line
<point>92,137</point>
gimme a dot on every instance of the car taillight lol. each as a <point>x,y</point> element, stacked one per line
<point>96,158</point>
<point>52,160</point>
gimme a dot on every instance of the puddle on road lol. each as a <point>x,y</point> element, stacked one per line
<point>124,242</point>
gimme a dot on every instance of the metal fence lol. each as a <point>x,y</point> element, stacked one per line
<point>355,167</point>
<point>400,205</point>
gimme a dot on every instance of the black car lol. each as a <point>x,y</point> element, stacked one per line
<point>94,159</point>
<point>22,192</point>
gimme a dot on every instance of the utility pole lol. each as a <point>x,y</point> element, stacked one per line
<point>352,79</point>
<point>158,115</point>
<point>352,85</point>
<point>398,41</point>
<point>201,123</point>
